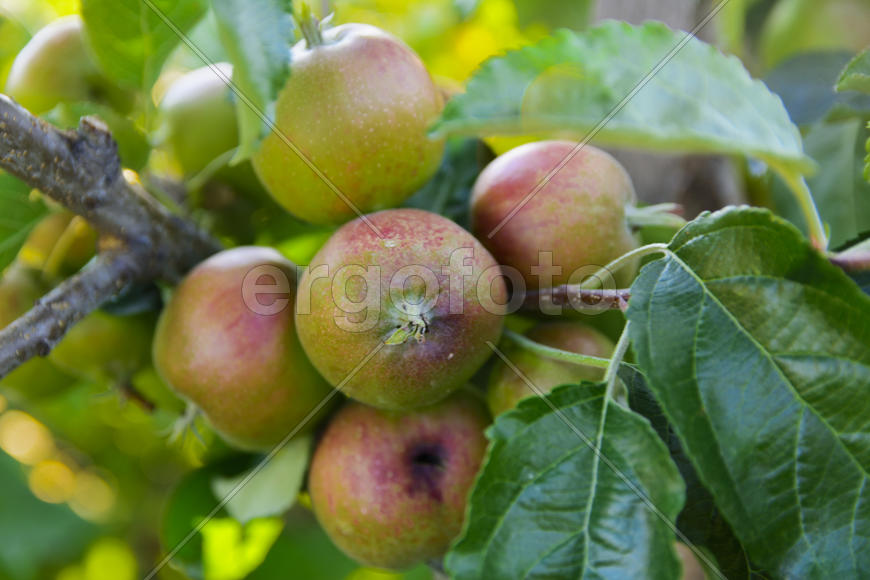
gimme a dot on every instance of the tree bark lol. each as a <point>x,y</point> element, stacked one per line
<point>140,240</point>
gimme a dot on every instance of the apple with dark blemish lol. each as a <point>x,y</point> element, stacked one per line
<point>577,215</point>
<point>390,488</point>
<point>226,341</point>
<point>357,106</point>
<point>396,310</point>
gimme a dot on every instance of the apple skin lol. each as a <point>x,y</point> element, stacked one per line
<point>422,369</point>
<point>56,67</point>
<point>390,488</point>
<point>60,244</point>
<point>199,118</point>
<point>20,287</point>
<point>692,567</point>
<point>104,347</point>
<point>358,107</point>
<point>506,388</point>
<point>579,215</point>
<point>246,371</point>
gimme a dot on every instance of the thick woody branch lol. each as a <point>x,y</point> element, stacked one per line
<point>572,295</point>
<point>35,333</point>
<point>140,239</point>
<point>81,170</point>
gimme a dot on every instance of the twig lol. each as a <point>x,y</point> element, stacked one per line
<point>572,294</point>
<point>855,259</point>
<point>139,239</point>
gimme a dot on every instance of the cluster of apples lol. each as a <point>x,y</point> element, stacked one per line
<point>400,307</point>
<point>398,310</point>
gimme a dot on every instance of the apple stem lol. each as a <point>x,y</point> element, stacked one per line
<point>801,191</point>
<point>309,25</point>
<point>556,353</point>
<point>604,273</point>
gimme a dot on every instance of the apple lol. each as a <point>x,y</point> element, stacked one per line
<point>692,567</point>
<point>20,287</point>
<point>56,67</point>
<point>574,224</point>
<point>226,341</point>
<point>506,387</point>
<point>357,105</point>
<point>59,245</point>
<point>199,117</point>
<point>389,487</point>
<point>402,320</point>
<point>106,348</point>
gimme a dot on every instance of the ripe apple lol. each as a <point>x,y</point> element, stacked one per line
<point>56,67</point>
<point>357,106</point>
<point>578,216</point>
<point>390,488</point>
<point>402,320</point>
<point>226,342</point>
<point>506,388</point>
<point>20,287</point>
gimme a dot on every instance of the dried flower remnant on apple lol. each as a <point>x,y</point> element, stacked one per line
<point>422,307</point>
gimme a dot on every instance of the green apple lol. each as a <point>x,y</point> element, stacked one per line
<point>106,348</point>
<point>199,116</point>
<point>56,67</point>
<point>390,488</point>
<point>506,387</point>
<point>20,287</point>
<point>59,245</point>
<point>355,110</point>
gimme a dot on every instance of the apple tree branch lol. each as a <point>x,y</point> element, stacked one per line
<point>140,239</point>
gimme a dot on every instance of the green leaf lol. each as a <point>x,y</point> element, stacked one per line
<point>839,190</point>
<point>856,75</point>
<point>547,506</point>
<point>191,501</point>
<point>449,191</point>
<point>272,490</point>
<point>699,101</point>
<point>133,38</point>
<point>756,348</point>
<point>133,146</point>
<point>18,215</point>
<point>231,551</point>
<point>258,44</point>
<point>699,519</point>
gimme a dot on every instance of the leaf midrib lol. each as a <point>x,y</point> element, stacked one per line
<point>771,359</point>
